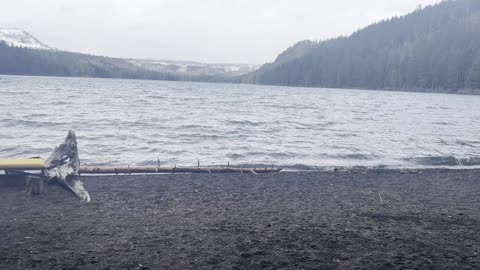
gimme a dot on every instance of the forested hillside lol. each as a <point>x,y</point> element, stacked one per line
<point>24,61</point>
<point>434,49</point>
<point>15,60</point>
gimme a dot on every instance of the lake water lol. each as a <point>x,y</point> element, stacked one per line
<point>129,122</point>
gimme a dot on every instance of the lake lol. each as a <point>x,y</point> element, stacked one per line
<point>133,122</point>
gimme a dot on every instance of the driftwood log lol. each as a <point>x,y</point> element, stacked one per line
<point>64,166</point>
<point>146,170</point>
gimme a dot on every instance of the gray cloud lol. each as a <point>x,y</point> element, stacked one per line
<point>232,31</point>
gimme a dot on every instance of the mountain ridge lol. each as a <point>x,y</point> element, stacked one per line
<point>20,38</point>
<point>31,54</point>
<point>434,49</point>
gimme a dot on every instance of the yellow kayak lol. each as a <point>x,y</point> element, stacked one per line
<point>22,164</point>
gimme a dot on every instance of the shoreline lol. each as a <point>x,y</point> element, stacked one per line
<point>333,220</point>
<point>326,169</point>
<point>463,92</point>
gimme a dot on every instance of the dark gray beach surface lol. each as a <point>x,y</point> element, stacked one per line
<point>291,220</point>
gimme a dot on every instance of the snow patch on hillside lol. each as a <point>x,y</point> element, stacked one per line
<point>194,68</point>
<point>19,38</point>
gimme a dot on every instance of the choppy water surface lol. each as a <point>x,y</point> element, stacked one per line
<point>137,122</point>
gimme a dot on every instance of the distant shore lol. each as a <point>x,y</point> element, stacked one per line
<point>375,219</point>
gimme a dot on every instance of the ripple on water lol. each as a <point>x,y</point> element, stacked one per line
<point>135,122</point>
<point>447,161</point>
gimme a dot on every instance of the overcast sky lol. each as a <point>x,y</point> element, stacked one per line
<point>216,31</point>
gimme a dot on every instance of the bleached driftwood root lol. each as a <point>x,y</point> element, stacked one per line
<point>63,165</point>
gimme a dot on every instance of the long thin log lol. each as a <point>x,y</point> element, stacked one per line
<point>148,170</point>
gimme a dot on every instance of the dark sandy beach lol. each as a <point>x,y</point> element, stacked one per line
<point>301,220</point>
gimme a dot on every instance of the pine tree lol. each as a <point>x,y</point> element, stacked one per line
<point>473,77</point>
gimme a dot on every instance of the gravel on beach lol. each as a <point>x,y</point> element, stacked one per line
<point>291,220</point>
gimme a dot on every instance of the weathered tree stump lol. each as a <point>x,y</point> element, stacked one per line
<point>63,165</point>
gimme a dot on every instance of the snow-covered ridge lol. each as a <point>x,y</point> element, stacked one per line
<point>194,68</point>
<point>19,38</point>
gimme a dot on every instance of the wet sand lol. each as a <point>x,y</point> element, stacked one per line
<point>309,220</point>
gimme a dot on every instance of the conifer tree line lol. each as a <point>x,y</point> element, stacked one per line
<point>435,49</point>
<point>24,61</point>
